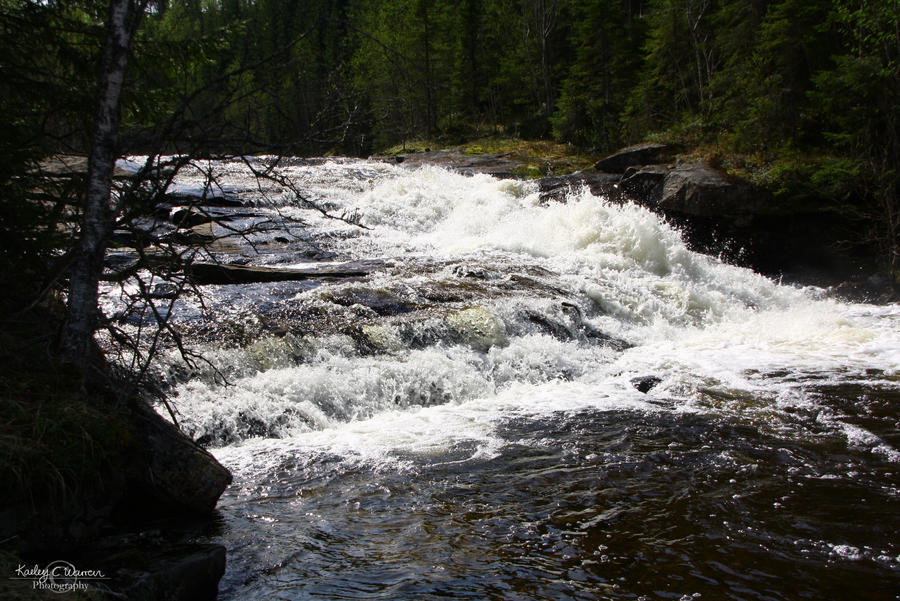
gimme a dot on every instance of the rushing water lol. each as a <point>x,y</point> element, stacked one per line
<point>528,400</point>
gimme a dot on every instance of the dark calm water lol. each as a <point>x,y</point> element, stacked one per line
<point>526,400</point>
<point>582,505</point>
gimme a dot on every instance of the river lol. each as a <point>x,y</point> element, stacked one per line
<point>532,400</point>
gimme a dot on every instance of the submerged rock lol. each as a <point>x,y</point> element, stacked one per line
<point>478,328</point>
<point>381,338</point>
<point>382,302</point>
<point>645,383</point>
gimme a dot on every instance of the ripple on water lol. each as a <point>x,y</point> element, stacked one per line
<point>464,421</point>
<point>593,503</point>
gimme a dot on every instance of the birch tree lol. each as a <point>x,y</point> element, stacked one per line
<point>99,209</point>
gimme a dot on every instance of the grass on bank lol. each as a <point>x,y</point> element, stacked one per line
<point>537,158</point>
<point>60,435</point>
<point>59,442</point>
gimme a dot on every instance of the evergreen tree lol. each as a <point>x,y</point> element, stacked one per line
<point>607,36</point>
<point>736,24</point>
<point>680,62</point>
<point>794,41</point>
<point>856,103</point>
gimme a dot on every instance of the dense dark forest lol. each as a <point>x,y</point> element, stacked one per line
<point>801,96</point>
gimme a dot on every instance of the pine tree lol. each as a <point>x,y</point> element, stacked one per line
<point>680,62</point>
<point>607,39</point>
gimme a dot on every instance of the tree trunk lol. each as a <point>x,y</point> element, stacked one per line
<point>98,215</point>
<point>546,23</point>
<point>429,108</point>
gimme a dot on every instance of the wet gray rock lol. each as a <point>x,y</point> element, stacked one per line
<point>382,302</point>
<point>498,165</point>
<point>474,272</point>
<point>698,189</point>
<point>189,216</point>
<point>645,383</point>
<point>645,184</point>
<point>211,199</point>
<point>119,262</point>
<point>548,325</point>
<point>166,290</point>
<point>695,189</point>
<point>557,188</point>
<point>194,215</point>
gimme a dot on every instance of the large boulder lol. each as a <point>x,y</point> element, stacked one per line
<point>717,213</point>
<point>140,468</point>
<point>696,189</point>
<point>640,154</point>
<point>171,470</point>
<point>699,190</point>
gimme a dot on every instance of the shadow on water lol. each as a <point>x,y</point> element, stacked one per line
<point>394,437</point>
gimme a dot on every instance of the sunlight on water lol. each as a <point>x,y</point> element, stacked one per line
<point>541,400</point>
<point>693,318</point>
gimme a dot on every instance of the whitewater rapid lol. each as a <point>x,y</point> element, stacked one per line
<point>717,337</point>
<point>525,399</point>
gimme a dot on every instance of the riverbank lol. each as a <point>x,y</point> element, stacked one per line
<point>728,205</point>
<point>80,454</point>
<point>96,481</point>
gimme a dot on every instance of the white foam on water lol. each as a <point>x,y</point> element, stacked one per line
<point>634,265</point>
<point>706,329</point>
<point>463,431</point>
<point>861,438</point>
<point>810,336</point>
<point>334,388</point>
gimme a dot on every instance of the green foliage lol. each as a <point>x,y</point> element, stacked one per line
<point>858,103</point>
<point>451,69</point>
<point>814,184</point>
<point>679,64</point>
<point>46,101</point>
<point>795,40</point>
<point>604,69</point>
<point>769,79</point>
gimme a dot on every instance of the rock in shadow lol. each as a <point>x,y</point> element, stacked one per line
<point>213,273</point>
